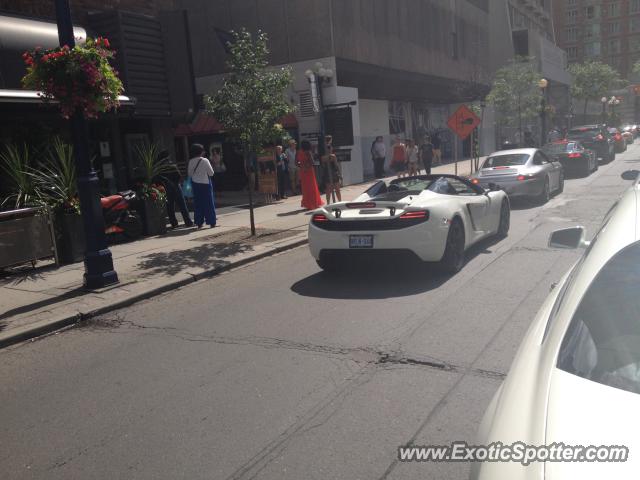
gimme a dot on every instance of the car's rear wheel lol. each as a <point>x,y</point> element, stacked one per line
<point>561,183</point>
<point>453,258</point>
<point>545,194</point>
<point>586,168</point>
<point>329,265</point>
<point>505,219</point>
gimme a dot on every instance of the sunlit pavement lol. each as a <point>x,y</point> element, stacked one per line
<point>279,371</point>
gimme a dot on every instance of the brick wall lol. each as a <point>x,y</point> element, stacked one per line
<point>79,8</point>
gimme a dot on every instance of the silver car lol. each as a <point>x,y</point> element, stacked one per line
<point>524,172</point>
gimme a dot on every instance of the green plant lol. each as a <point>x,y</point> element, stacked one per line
<point>22,189</point>
<point>152,165</point>
<point>79,78</point>
<point>593,80</point>
<point>56,179</point>
<point>252,98</point>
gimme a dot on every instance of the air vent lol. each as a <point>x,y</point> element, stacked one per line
<point>306,104</point>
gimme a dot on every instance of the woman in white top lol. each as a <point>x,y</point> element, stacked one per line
<point>201,173</point>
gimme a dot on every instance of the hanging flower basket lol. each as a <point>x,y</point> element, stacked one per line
<point>79,78</point>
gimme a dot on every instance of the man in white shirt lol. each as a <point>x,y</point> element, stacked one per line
<point>294,176</point>
<point>378,155</point>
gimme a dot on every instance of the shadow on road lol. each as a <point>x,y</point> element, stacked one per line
<point>362,280</point>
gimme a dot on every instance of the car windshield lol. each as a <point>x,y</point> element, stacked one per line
<point>579,133</point>
<point>509,160</point>
<point>613,130</point>
<point>602,343</point>
<point>555,148</point>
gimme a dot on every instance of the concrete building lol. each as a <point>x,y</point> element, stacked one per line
<point>405,64</point>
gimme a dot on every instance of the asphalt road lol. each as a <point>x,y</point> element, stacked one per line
<point>279,371</point>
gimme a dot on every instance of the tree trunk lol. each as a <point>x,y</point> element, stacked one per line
<point>248,167</point>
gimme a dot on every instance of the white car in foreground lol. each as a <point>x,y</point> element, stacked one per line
<point>576,377</point>
<point>432,218</point>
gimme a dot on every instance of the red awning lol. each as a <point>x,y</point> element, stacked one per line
<point>204,124</point>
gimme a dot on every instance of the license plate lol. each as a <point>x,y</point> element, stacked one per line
<point>360,241</point>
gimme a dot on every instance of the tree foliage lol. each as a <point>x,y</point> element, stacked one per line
<point>515,93</point>
<point>593,80</point>
<point>252,98</point>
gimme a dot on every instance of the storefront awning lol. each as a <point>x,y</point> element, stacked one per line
<point>204,124</point>
<point>22,34</point>
<point>31,96</point>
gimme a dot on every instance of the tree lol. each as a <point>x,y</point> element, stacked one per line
<point>515,93</point>
<point>592,80</point>
<point>252,99</point>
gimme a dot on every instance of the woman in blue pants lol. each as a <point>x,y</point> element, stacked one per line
<point>201,173</point>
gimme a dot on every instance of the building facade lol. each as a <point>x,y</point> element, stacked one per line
<point>404,66</point>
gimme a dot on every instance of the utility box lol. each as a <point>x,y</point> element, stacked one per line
<point>26,235</point>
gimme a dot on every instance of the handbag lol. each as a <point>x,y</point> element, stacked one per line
<point>187,185</point>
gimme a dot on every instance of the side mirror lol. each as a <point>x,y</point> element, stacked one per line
<point>630,175</point>
<point>573,237</point>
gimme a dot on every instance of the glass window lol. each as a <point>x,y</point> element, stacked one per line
<point>634,6</point>
<point>557,148</point>
<point>634,24</point>
<point>592,49</point>
<point>592,11</point>
<point>572,34</point>
<point>614,9</point>
<point>613,27</point>
<point>602,343</point>
<point>592,30</point>
<point>572,16</point>
<point>510,160</point>
<point>572,52</point>
<point>614,45</point>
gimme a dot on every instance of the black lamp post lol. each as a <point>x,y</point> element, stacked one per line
<point>543,83</point>
<point>98,263</point>
<point>604,109</point>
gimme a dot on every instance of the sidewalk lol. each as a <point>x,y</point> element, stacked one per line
<point>41,300</point>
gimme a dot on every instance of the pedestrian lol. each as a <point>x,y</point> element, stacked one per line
<point>294,174</point>
<point>437,148</point>
<point>426,152</point>
<point>399,158</point>
<point>412,158</point>
<point>201,173</point>
<point>378,156</point>
<point>331,176</point>
<point>529,142</point>
<point>554,135</point>
<point>282,170</point>
<point>171,180</point>
<point>310,195</point>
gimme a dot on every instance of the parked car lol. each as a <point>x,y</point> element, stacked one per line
<point>523,172</point>
<point>633,129</point>
<point>575,378</point>
<point>596,138</point>
<point>428,218</point>
<point>627,135</point>
<point>619,141</point>
<point>575,159</point>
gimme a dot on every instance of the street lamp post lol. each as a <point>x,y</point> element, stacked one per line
<point>543,83</point>
<point>613,102</point>
<point>98,262</point>
<point>604,109</point>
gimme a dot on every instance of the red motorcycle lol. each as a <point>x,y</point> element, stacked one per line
<point>120,220</point>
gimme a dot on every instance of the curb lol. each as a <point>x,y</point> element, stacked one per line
<point>44,327</point>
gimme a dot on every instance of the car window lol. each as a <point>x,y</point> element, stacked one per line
<point>602,343</point>
<point>509,160</point>
<point>538,159</point>
<point>583,133</point>
<point>462,188</point>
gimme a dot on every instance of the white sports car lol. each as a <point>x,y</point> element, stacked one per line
<point>432,218</point>
<point>576,378</point>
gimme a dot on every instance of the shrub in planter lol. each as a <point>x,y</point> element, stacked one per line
<point>80,79</point>
<point>56,184</point>
<point>153,201</point>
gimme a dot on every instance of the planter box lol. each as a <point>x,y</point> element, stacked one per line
<point>26,235</point>
<point>70,237</point>
<point>154,217</point>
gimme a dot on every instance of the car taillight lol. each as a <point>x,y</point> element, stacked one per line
<point>475,181</point>
<point>415,214</point>
<point>319,218</point>
<point>599,137</point>
<point>520,178</point>
<point>618,137</point>
<point>574,155</point>
<point>361,205</point>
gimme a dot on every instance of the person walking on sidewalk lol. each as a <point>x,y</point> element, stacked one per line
<point>399,159</point>
<point>412,158</point>
<point>437,149</point>
<point>282,170</point>
<point>331,176</point>
<point>310,195</point>
<point>171,180</point>
<point>426,152</point>
<point>294,173</point>
<point>378,155</point>
<point>201,173</point>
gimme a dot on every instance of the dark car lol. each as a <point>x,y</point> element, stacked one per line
<point>596,138</point>
<point>619,141</point>
<point>575,159</point>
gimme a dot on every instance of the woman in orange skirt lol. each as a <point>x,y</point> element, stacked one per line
<point>310,194</point>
